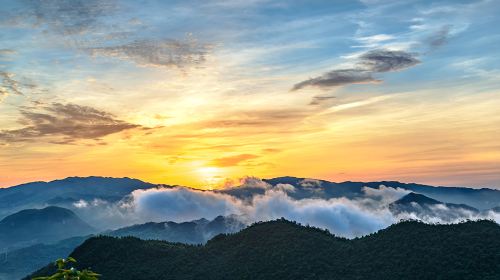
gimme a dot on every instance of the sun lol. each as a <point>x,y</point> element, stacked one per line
<point>210,176</point>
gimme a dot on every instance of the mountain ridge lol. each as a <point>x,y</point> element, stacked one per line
<point>287,250</point>
<point>274,179</point>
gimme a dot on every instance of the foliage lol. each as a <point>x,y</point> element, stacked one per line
<point>64,273</point>
<point>286,250</point>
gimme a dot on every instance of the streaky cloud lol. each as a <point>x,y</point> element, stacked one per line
<point>368,64</point>
<point>159,53</point>
<point>382,60</point>
<point>233,160</point>
<point>338,78</point>
<point>66,122</point>
<point>67,16</point>
<point>440,37</point>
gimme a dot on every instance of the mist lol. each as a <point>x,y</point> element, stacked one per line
<point>341,216</point>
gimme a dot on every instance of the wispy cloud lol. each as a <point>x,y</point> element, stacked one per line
<point>9,85</point>
<point>160,53</point>
<point>67,122</point>
<point>321,99</point>
<point>440,37</point>
<point>336,78</point>
<point>232,160</point>
<point>6,52</point>
<point>369,63</point>
<point>386,60</point>
<point>67,16</point>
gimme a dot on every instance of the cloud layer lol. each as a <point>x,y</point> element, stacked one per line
<point>342,216</point>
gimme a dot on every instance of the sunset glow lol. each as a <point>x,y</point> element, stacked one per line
<point>200,95</point>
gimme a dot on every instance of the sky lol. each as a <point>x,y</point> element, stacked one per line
<point>201,93</point>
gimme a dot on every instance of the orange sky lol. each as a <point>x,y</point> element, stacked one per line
<point>336,92</point>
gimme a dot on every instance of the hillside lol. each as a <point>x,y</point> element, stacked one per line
<point>193,232</point>
<point>285,250</point>
<point>36,256</point>
<point>32,226</point>
<point>65,192</point>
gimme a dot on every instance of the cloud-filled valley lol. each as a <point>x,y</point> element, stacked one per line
<point>348,217</point>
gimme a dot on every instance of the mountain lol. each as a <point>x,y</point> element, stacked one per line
<point>18,263</point>
<point>32,226</point>
<point>481,199</point>
<point>422,207</point>
<point>75,192</point>
<point>422,200</point>
<point>66,192</point>
<point>194,232</point>
<point>285,250</point>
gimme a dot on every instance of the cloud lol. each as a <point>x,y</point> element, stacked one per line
<point>182,204</point>
<point>9,84</point>
<point>368,64</point>
<point>232,160</point>
<point>439,38</point>
<point>67,16</point>
<point>338,78</point>
<point>342,216</point>
<point>386,60</point>
<point>374,40</point>
<point>159,53</point>
<point>384,195</point>
<point>7,52</point>
<point>321,99</point>
<point>253,182</point>
<point>441,213</point>
<point>69,121</point>
<point>257,118</point>
<point>312,185</point>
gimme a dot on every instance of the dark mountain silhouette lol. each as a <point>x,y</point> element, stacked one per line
<point>285,250</point>
<point>32,226</point>
<point>194,232</point>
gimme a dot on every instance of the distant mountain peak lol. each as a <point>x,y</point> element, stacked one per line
<point>51,212</point>
<point>49,224</point>
<point>417,198</point>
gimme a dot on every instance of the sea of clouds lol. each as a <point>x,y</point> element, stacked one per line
<point>341,216</point>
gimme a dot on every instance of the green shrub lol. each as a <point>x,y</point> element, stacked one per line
<point>65,273</point>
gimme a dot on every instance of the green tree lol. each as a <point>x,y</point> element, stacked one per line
<point>65,273</point>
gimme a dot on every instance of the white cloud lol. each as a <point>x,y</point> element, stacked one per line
<point>341,216</point>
